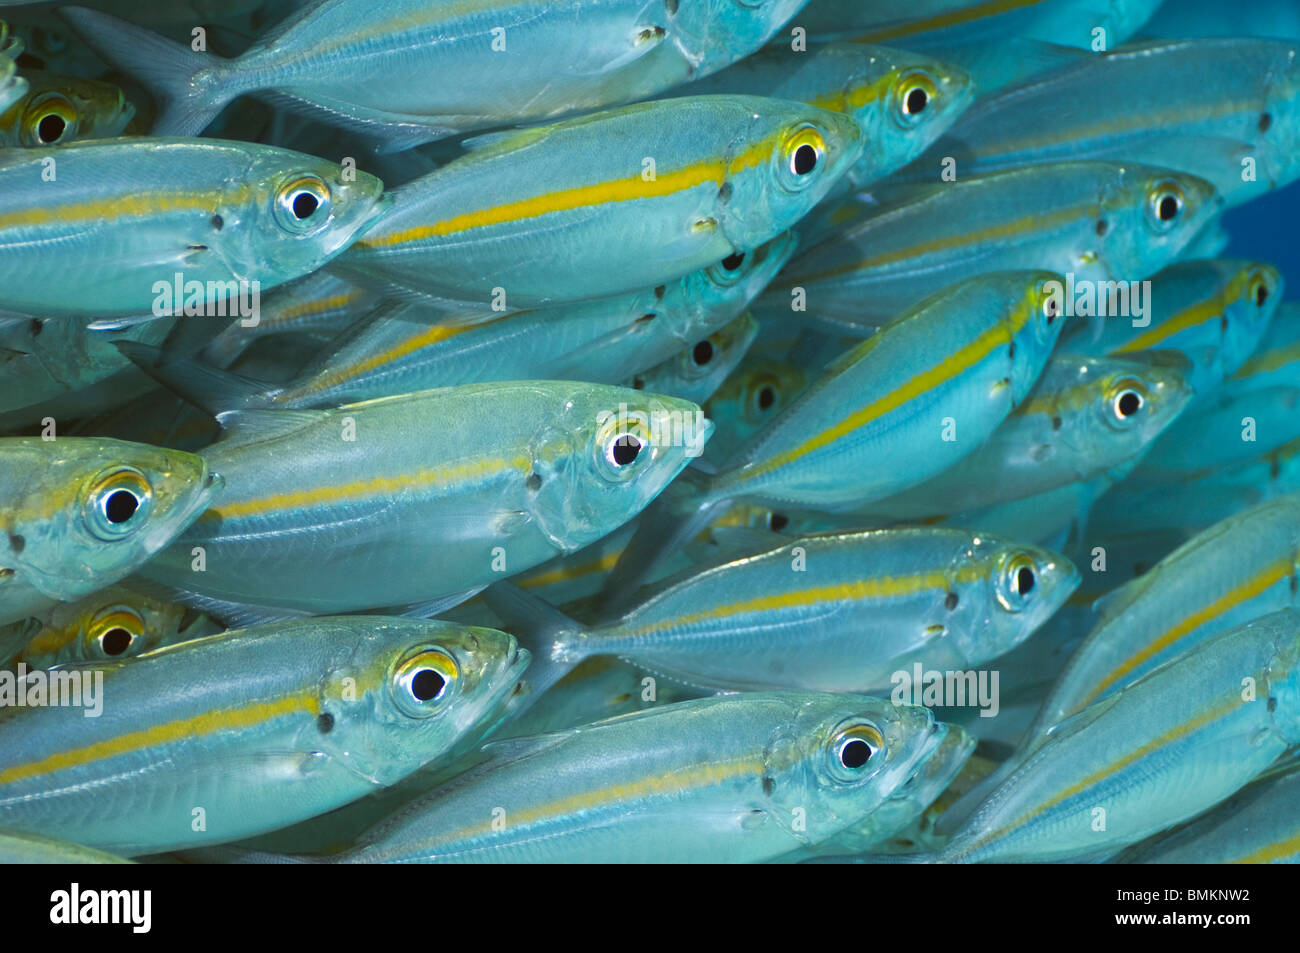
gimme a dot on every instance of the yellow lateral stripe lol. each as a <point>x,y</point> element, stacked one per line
<point>936,376</point>
<point>359,489</point>
<point>668,784</point>
<point>629,189</point>
<point>1198,313</point>
<point>1269,361</point>
<point>857,96</point>
<point>308,309</point>
<point>1270,574</point>
<point>142,204</point>
<point>884,587</point>
<point>942,21</point>
<point>1278,850</point>
<point>965,239</point>
<point>205,724</point>
<point>563,573</point>
<point>1173,734</point>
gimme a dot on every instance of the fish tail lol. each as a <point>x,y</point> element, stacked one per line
<point>679,514</point>
<point>207,388</point>
<point>554,640</point>
<point>191,88</point>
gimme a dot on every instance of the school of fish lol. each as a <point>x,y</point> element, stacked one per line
<point>647,431</point>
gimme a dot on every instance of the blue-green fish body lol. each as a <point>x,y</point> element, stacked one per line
<point>1184,18</point>
<point>258,728</point>
<point>614,202</point>
<point>758,390</point>
<point>697,371</point>
<point>20,848</point>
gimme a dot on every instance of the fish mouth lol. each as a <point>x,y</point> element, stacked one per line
<point>199,500</point>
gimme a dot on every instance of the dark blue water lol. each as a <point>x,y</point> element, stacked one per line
<point>1266,230</point>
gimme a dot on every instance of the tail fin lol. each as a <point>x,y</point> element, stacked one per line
<point>679,514</point>
<point>207,388</point>
<point>546,632</point>
<point>189,86</point>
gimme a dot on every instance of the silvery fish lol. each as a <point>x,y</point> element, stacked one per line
<point>618,201</point>
<point>1237,570</point>
<point>697,371</point>
<point>62,109</point>
<point>407,71</point>
<point>113,623</point>
<point>1214,312</point>
<point>210,217</point>
<point>706,783</point>
<point>80,513</point>
<point>903,101</point>
<point>1169,746</point>
<point>753,395</point>
<point>1258,825</point>
<point>1090,221</point>
<point>258,728</point>
<point>837,612</point>
<point>1276,360</point>
<point>19,848</point>
<point>1085,417</point>
<point>1227,110</point>
<point>418,497</point>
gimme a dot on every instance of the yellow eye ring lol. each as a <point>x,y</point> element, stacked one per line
<point>914,92</point>
<point>802,155</point>
<point>48,120</point>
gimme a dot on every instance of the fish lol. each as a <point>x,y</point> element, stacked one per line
<point>1097,222</point>
<point>249,730</point>
<point>1221,109</point>
<point>696,372</point>
<point>969,353</point>
<point>1214,312</point>
<point>707,783</point>
<point>754,394</point>
<point>62,109</point>
<point>405,73</point>
<point>213,217</point>
<point>113,623</point>
<point>19,848</point>
<point>1197,18</point>
<point>1275,361</point>
<point>403,500</point>
<point>1085,418</point>
<point>12,86</point>
<point>903,101</point>
<point>833,612</point>
<point>614,202</point>
<point>1171,745</point>
<point>81,513</point>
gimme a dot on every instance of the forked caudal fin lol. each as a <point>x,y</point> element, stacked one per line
<point>191,87</point>
<point>207,388</point>
<point>547,633</point>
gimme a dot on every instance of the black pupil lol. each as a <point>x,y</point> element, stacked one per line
<point>703,353</point>
<point>626,450</point>
<point>427,685</point>
<point>917,100</point>
<point>805,160</point>
<point>1261,295</point>
<point>732,262</point>
<point>1024,580</point>
<point>1051,310</point>
<point>766,398</point>
<point>1129,404</point>
<point>855,753</point>
<point>305,205</point>
<point>51,128</point>
<point>120,506</point>
<point>116,641</point>
<point>1168,210</point>
<point>779,522</point>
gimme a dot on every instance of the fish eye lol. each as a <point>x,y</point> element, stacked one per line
<point>118,503</point>
<point>422,681</point>
<point>763,395</point>
<point>623,447</point>
<point>303,204</point>
<point>702,353</point>
<point>732,262</point>
<point>1049,306</point>
<point>1125,401</point>
<point>1258,289</point>
<point>1017,580</point>
<point>777,522</point>
<point>801,157</point>
<point>1165,205</point>
<point>728,271</point>
<point>115,632</point>
<point>853,749</point>
<point>914,92</point>
<point>49,120</point>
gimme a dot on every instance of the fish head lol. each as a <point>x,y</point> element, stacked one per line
<point>1028,304</point>
<point>1279,123</point>
<point>699,369</point>
<point>94,509</point>
<point>704,299</point>
<point>303,212</point>
<point>841,757</point>
<point>412,691</point>
<point>904,102</point>
<point>1017,587</point>
<point>60,109</point>
<point>1252,292</point>
<point>1148,215</point>
<point>712,34</point>
<point>783,162</point>
<point>607,453</point>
